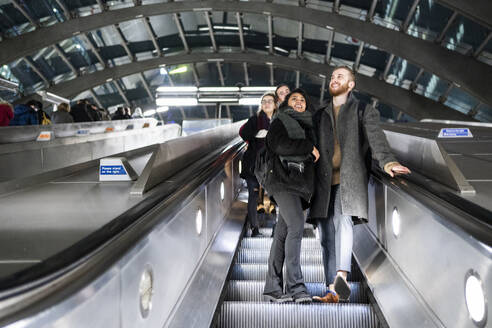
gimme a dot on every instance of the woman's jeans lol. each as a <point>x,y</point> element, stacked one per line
<point>253,188</point>
<point>286,246</point>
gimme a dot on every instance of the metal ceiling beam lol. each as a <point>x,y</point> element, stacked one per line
<point>94,50</point>
<point>20,8</point>
<point>444,96</point>
<point>451,19</point>
<point>33,66</point>
<point>124,42</point>
<point>299,40</point>
<point>322,89</point>
<point>480,48</point>
<point>179,25</point>
<point>151,33</point>
<point>246,76</point>
<point>412,104</point>
<point>195,74</point>
<point>358,56</point>
<point>370,13</point>
<point>298,79</point>
<point>474,110</point>
<point>270,33</point>
<point>272,74</point>
<point>413,86</point>
<point>96,99</point>
<point>336,6</point>
<point>329,47</point>
<point>171,82</point>
<point>447,64</point>
<point>240,30</point>
<point>479,11</point>
<point>65,9</point>
<point>221,76</point>
<point>122,94</point>
<point>388,66</point>
<point>411,12</point>
<point>102,6</point>
<point>146,86</point>
<point>64,57</point>
<point>210,30</point>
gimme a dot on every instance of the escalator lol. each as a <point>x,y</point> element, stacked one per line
<point>243,305</point>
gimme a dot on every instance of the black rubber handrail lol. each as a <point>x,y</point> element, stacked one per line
<point>75,267</point>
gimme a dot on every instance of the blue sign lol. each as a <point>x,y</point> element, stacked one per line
<point>112,170</point>
<point>455,133</point>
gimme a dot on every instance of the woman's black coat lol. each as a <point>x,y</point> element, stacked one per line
<point>283,180</point>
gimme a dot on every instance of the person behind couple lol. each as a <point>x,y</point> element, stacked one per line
<point>290,142</point>
<point>340,199</point>
<point>254,132</point>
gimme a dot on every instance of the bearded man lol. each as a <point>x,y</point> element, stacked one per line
<point>344,131</point>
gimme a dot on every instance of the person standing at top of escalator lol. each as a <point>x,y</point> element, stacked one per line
<point>254,132</point>
<point>6,113</point>
<point>290,180</point>
<point>62,114</point>
<point>345,131</point>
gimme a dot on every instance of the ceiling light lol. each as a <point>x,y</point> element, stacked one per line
<point>181,69</point>
<point>177,89</point>
<point>175,101</point>
<point>199,222</point>
<point>249,101</point>
<point>219,99</point>
<point>218,89</point>
<point>163,71</point>
<point>149,112</point>
<point>258,89</point>
<point>222,191</point>
<point>162,109</point>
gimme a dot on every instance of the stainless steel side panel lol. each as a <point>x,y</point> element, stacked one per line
<point>418,278</point>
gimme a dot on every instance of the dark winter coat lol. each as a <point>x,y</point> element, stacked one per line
<point>282,178</point>
<point>61,116</point>
<point>80,113</point>
<point>248,132</point>
<point>353,139</point>
<point>24,115</point>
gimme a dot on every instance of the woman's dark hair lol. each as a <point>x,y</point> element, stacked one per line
<point>285,103</point>
<point>281,85</point>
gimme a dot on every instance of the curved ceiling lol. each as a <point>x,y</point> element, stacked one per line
<point>384,44</point>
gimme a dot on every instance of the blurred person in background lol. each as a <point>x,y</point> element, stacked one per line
<point>25,114</point>
<point>62,114</point>
<point>6,113</point>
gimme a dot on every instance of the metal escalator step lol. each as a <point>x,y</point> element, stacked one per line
<point>251,291</point>
<point>265,243</point>
<point>267,315</point>
<point>252,255</point>
<point>311,273</point>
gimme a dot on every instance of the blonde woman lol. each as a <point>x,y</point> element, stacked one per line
<point>62,114</point>
<point>254,132</point>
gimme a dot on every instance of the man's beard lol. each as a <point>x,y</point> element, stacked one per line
<point>341,90</point>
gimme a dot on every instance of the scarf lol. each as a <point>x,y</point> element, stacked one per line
<point>295,122</point>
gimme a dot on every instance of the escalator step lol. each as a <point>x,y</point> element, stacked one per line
<point>265,243</point>
<point>259,315</point>
<point>311,273</point>
<point>251,255</point>
<point>251,291</point>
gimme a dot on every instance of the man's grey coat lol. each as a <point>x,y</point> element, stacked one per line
<point>353,142</point>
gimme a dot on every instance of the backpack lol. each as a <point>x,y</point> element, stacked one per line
<point>361,108</point>
<point>45,120</point>
<point>263,164</point>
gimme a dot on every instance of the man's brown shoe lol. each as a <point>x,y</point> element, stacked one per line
<point>330,297</point>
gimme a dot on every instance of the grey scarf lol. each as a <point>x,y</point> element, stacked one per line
<point>295,122</point>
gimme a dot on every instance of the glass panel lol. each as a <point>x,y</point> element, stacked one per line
<point>431,86</point>
<point>429,20</point>
<point>460,100</point>
<point>464,35</point>
<point>402,73</point>
<point>135,30</point>
<point>163,25</point>
<point>484,113</point>
<point>113,5</point>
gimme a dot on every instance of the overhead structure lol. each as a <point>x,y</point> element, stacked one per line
<point>434,59</point>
